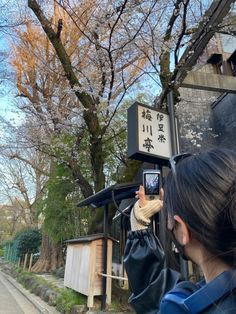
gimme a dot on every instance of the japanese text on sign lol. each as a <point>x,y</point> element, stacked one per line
<point>154,132</point>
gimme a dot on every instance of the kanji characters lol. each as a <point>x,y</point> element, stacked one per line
<point>146,114</point>
<point>148,144</point>
<point>160,117</point>
<point>160,127</point>
<point>147,129</point>
<point>161,138</point>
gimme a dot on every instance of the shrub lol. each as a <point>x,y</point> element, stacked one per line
<point>27,241</point>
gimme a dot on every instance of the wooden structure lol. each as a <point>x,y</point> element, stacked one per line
<point>84,266</point>
<point>111,195</point>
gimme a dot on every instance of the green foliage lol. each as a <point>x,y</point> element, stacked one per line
<point>23,278</point>
<point>24,241</point>
<point>67,299</point>
<point>62,219</point>
<point>27,241</point>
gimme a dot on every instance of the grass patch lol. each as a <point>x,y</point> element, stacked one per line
<point>67,299</point>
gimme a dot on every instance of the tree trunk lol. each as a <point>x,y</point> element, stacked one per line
<point>97,161</point>
<point>50,256</point>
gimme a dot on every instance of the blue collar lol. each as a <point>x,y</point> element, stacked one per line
<point>211,292</point>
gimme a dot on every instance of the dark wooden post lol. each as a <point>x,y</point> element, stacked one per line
<point>104,279</point>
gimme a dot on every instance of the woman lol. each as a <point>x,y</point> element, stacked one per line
<point>200,203</point>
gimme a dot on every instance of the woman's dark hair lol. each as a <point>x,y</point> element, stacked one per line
<point>203,193</point>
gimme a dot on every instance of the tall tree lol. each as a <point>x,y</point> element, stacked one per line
<point>98,73</point>
<point>118,44</point>
<point>24,174</point>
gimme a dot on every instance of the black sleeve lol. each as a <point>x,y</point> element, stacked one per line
<point>144,261</point>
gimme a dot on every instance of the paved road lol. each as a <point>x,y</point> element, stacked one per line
<point>12,301</point>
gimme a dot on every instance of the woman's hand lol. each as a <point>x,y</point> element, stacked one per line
<point>140,194</point>
<point>144,209</point>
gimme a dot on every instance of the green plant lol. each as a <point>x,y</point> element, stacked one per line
<point>27,241</point>
<point>67,299</point>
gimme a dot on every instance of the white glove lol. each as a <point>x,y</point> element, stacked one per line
<point>143,210</point>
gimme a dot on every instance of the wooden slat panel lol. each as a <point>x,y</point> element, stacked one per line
<point>78,268</point>
<point>83,262</point>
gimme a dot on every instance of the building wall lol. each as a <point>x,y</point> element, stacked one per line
<point>204,124</point>
<point>224,117</point>
<point>201,124</point>
<point>196,122</point>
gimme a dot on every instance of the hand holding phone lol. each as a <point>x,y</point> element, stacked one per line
<point>151,183</point>
<point>140,194</point>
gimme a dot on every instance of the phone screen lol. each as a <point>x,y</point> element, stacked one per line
<point>151,183</point>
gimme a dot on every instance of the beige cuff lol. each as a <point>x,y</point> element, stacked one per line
<point>140,216</point>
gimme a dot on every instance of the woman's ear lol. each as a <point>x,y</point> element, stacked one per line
<point>182,231</point>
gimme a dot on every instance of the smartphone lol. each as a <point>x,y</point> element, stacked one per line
<point>151,182</point>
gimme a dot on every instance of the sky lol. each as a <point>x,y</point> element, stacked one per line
<point>10,11</point>
<point>8,99</point>
<point>228,43</point>
<point>8,90</point>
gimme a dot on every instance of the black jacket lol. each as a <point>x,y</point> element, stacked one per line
<point>156,289</point>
